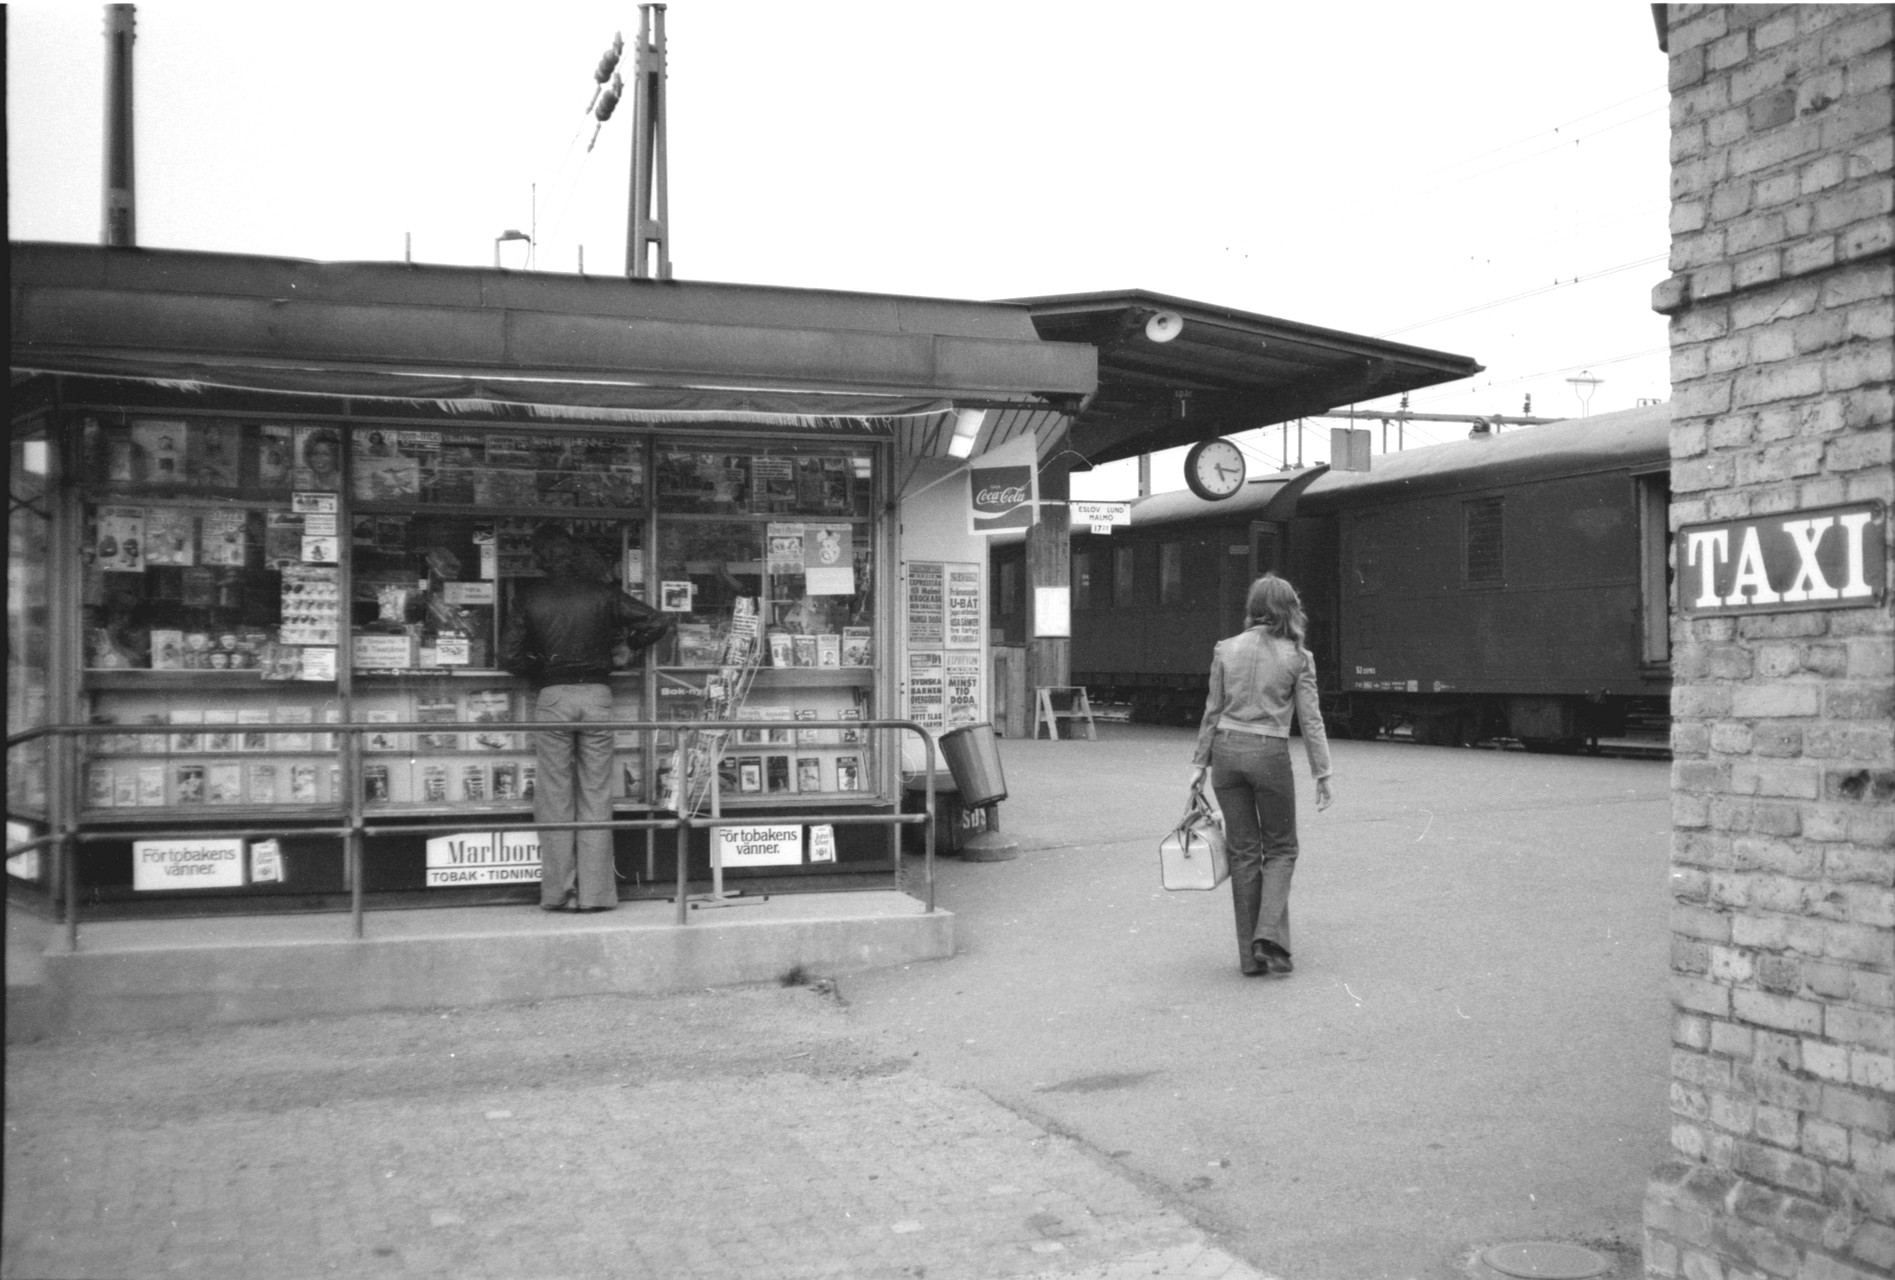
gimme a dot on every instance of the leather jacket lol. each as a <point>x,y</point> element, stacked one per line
<point>1257,682</point>
<point>563,630</point>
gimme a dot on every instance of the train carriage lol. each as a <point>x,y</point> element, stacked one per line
<point>1511,585</point>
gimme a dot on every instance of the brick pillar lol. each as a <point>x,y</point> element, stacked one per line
<point>1782,316</point>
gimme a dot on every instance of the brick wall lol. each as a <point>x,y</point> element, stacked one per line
<point>1782,309</point>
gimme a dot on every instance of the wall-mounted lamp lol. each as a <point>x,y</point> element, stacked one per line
<point>505,236</point>
<point>1163,326</point>
<point>967,425</point>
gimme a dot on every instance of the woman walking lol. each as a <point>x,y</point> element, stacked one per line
<point>1259,677</point>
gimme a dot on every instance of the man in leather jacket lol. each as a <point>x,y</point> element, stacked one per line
<point>562,635</point>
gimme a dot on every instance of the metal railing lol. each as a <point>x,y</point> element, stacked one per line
<point>65,832</point>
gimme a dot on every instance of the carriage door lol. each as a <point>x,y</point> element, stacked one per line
<point>1266,549</point>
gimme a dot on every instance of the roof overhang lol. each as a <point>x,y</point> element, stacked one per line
<point>414,332</point>
<point>1221,372</point>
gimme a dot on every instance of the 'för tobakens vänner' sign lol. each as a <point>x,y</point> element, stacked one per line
<point>1828,558</point>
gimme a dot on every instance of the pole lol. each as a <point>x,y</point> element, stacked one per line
<point>120,222</point>
<point>647,221</point>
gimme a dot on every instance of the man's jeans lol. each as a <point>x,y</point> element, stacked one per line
<point>1256,789</point>
<point>575,785</point>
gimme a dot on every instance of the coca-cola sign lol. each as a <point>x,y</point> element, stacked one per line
<point>1002,498</point>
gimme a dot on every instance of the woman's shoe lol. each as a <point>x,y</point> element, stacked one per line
<point>1280,963</point>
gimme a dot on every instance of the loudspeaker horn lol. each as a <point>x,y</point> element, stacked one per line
<point>1164,326</point>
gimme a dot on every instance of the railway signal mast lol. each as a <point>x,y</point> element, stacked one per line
<point>646,233</point>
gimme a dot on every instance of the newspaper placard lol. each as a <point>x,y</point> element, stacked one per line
<point>961,683</point>
<point>187,864</point>
<point>927,608</point>
<point>762,846</point>
<point>926,692</point>
<point>965,625</point>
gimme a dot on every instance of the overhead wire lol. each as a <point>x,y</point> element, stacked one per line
<point>1529,293</point>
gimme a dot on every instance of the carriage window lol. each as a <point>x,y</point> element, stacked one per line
<point>1122,576</point>
<point>1483,524</point>
<point>1082,580</point>
<point>1171,574</point>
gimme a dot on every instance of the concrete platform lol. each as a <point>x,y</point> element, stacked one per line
<point>150,974</point>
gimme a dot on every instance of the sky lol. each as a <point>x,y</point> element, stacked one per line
<point>1486,179</point>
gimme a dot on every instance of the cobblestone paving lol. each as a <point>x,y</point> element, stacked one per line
<point>745,1136</point>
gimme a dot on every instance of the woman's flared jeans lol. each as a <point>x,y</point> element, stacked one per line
<point>1256,789</point>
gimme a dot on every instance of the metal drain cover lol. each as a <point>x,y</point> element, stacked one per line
<point>1545,1260</point>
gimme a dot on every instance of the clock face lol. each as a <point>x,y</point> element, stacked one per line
<point>1214,469</point>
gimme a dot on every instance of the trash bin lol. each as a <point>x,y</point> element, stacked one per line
<point>973,757</point>
<point>954,822</point>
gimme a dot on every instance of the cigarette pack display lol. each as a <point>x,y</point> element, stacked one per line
<point>187,784</point>
<point>212,460</point>
<point>255,739</point>
<point>849,734</point>
<point>375,784</point>
<point>260,783</point>
<point>808,773</point>
<point>151,785</point>
<point>781,732</point>
<point>224,538</point>
<point>303,784</point>
<point>812,737</point>
<point>300,739</point>
<point>275,453</point>
<point>437,709</point>
<point>489,706</point>
<point>120,544</point>
<point>383,739</point>
<point>698,645</point>
<point>223,783</point>
<point>170,536</point>
<point>218,735</point>
<point>776,774</point>
<point>158,450</point>
<point>167,650</point>
<point>188,739</point>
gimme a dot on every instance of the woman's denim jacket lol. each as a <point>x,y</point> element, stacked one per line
<point>1257,681</point>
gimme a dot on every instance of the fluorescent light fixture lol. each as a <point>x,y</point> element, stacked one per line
<point>967,425</point>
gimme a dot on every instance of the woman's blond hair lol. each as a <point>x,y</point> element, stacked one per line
<point>1273,605</point>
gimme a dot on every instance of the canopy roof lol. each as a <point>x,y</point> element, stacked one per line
<point>1223,371</point>
<point>598,345</point>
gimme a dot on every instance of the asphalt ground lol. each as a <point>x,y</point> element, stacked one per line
<point>1472,1050</point>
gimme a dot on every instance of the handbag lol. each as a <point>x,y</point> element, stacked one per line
<point>1193,855</point>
